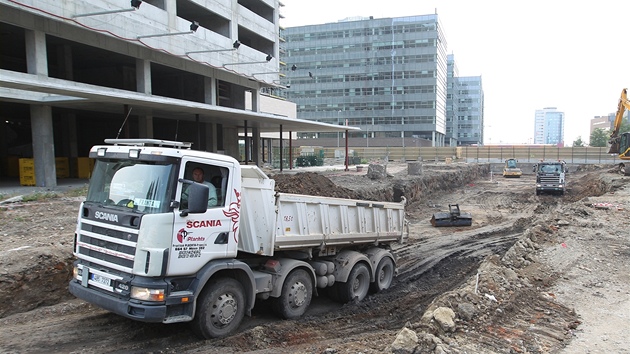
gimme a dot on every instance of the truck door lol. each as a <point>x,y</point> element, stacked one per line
<point>200,238</point>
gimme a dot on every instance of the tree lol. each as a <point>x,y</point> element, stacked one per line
<point>599,138</point>
<point>578,142</point>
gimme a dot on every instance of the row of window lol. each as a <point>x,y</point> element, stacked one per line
<point>362,32</point>
<point>372,106</point>
<point>367,91</point>
<point>363,62</point>
<point>381,76</point>
<point>363,47</point>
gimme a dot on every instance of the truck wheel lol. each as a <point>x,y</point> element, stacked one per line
<point>220,309</point>
<point>384,275</point>
<point>357,285</point>
<point>297,292</point>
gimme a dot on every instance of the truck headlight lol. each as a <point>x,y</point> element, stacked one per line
<point>76,273</point>
<point>538,185</point>
<point>147,294</point>
<point>560,185</point>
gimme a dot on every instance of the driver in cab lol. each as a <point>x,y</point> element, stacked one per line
<point>198,176</point>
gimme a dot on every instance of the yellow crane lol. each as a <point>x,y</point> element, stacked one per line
<point>620,143</point>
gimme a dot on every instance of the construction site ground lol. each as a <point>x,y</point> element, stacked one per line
<point>533,274</point>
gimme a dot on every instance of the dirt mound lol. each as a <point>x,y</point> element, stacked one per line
<point>310,183</point>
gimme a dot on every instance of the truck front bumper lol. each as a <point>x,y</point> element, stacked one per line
<point>122,307</point>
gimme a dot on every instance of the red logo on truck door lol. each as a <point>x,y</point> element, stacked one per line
<point>183,235</point>
<point>234,212</point>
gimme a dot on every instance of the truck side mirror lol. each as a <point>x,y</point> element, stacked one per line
<point>197,198</point>
<point>534,168</point>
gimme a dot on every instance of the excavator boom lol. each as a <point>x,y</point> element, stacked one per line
<point>614,140</point>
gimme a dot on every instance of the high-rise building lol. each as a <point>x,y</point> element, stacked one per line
<point>387,76</point>
<point>549,126</point>
<point>470,109</point>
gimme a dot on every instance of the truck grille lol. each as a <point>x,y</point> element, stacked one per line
<point>550,179</point>
<point>112,246</point>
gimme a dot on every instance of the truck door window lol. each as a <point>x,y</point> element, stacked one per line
<point>215,177</point>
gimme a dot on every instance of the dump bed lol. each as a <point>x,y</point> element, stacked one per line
<point>279,221</point>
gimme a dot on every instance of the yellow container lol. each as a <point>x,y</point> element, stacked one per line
<point>62,166</point>
<point>27,172</point>
<point>84,167</point>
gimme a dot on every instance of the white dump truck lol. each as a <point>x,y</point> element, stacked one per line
<point>154,245</point>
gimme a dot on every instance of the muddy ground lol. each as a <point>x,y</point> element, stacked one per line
<point>533,274</point>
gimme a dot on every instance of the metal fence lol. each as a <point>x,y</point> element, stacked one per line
<point>473,153</point>
<point>491,154</point>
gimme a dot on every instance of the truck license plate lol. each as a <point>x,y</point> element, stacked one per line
<point>100,279</point>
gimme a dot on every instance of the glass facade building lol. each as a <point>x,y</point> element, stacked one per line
<point>468,123</point>
<point>549,126</point>
<point>387,76</point>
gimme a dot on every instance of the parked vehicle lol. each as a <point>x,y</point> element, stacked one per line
<point>511,169</point>
<point>146,253</point>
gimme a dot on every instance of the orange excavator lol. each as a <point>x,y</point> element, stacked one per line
<point>620,143</point>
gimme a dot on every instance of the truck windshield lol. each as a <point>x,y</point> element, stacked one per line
<point>550,168</point>
<point>138,185</point>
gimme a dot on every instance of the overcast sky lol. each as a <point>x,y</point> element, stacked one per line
<point>572,55</point>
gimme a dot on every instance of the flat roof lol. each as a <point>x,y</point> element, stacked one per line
<point>43,90</point>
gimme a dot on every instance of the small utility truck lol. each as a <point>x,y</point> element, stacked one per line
<point>147,253</point>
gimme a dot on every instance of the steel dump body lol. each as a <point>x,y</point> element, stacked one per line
<point>280,221</point>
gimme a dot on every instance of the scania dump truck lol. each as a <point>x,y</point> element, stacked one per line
<point>146,253</point>
<point>551,177</point>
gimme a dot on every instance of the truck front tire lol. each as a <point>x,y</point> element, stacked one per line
<point>297,292</point>
<point>220,309</point>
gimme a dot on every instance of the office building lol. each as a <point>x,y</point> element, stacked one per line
<point>549,126</point>
<point>464,107</point>
<point>387,76</point>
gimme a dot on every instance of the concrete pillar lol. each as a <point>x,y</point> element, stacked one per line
<point>41,116</point>
<point>171,9</point>
<point>210,132</point>
<point>210,90</point>
<point>210,97</point>
<point>230,142</point>
<point>143,85</point>
<point>255,101</point>
<point>36,61</point>
<point>256,146</point>
<point>43,146</point>
<point>145,126</point>
<point>69,146</point>
<point>143,76</point>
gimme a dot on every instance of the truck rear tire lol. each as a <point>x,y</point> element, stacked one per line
<point>297,292</point>
<point>220,309</point>
<point>384,275</point>
<point>357,285</point>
